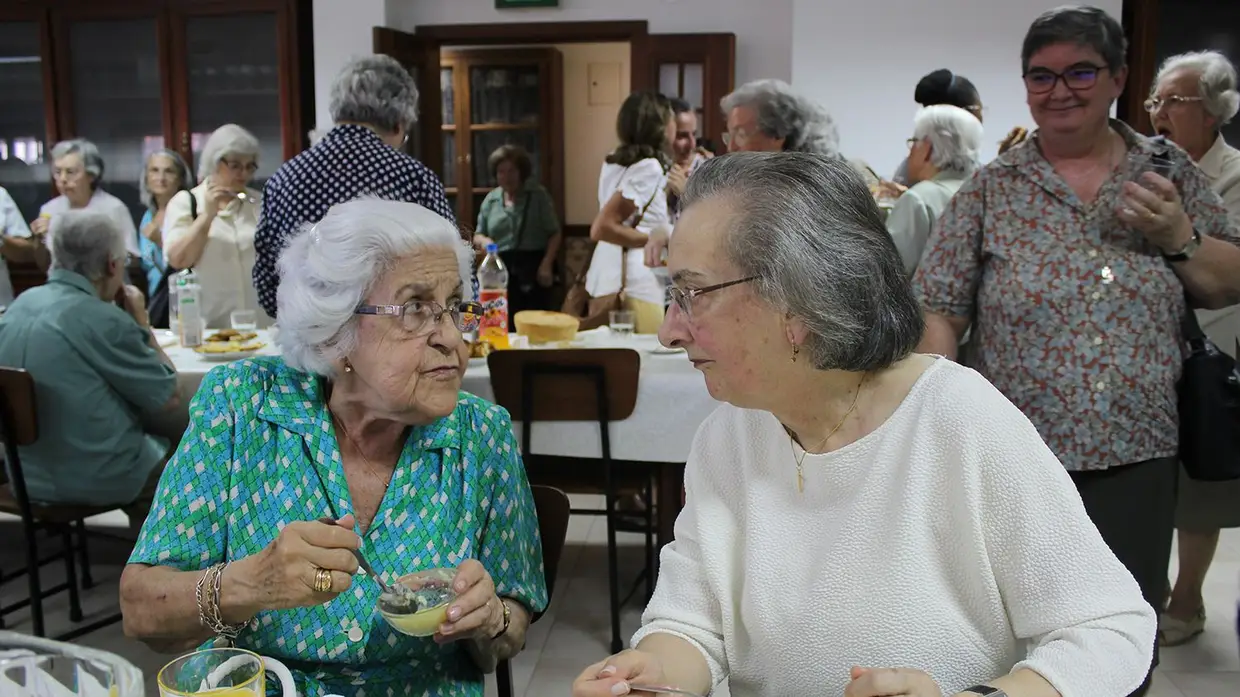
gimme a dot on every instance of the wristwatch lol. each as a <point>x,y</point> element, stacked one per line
<point>507,619</point>
<point>984,691</point>
<point>1188,251</point>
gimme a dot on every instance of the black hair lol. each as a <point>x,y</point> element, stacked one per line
<point>679,106</point>
<point>945,87</point>
<point>1082,25</point>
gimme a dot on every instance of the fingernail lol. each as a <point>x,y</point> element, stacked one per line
<point>454,613</point>
<point>620,688</point>
<point>460,586</point>
<point>607,672</point>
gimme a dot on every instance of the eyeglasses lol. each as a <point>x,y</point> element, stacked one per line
<point>1153,104</point>
<point>240,167</point>
<point>422,316</point>
<point>912,141</point>
<point>1078,77</point>
<point>683,298</point>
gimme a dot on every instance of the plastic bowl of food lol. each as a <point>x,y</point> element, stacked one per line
<point>431,595</point>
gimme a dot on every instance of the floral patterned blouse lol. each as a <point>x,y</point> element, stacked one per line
<point>261,452</point>
<point>1075,317</point>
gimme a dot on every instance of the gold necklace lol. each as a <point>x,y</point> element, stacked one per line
<point>792,440</point>
<point>369,465</point>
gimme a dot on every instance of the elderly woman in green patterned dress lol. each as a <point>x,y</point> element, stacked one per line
<point>360,422</point>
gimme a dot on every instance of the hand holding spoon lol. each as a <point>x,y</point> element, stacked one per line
<point>398,597</point>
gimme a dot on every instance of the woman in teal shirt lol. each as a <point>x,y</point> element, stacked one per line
<point>164,175</point>
<point>360,422</point>
<point>519,217</point>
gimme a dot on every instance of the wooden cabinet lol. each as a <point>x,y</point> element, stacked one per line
<point>134,76</point>
<point>492,98</point>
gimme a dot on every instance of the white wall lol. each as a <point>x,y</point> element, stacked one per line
<point>863,59</point>
<point>343,30</point>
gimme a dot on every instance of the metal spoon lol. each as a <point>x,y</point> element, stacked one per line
<point>397,596</point>
<point>663,690</point>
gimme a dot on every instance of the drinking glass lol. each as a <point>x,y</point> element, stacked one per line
<point>57,676</point>
<point>621,323</point>
<point>243,320</point>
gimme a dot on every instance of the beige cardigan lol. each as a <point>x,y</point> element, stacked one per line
<point>1221,166</point>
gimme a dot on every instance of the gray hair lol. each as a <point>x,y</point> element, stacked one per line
<point>807,228</point>
<point>782,113</point>
<point>92,162</point>
<point>229,139</point>
<point>1216,81</point>
<point>1082,25</point>
<point>187,177</point>
<point>375,91</point>
<point>955,137</point>
<point>84,241</point>
<point>329,268</point>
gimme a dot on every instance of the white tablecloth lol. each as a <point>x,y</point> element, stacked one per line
<point>672,402</point>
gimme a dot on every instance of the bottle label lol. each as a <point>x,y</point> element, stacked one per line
<point>494,325</point>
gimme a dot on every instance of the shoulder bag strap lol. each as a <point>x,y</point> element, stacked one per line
<point>624,252</point>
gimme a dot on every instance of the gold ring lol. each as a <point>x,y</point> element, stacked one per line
<point>322,581</point>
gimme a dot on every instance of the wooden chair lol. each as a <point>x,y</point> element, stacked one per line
<point>19,427</point>
<point>598,385</point>
<point>553,513</point>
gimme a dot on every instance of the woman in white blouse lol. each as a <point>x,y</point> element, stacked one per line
<point>214,232</point>
<point>78,170</point>
<point>860,520</point>
<point>632,204</point>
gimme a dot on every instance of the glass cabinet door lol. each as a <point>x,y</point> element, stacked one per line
<point>117,97</point>
<point>234,78</point>
<point>24,172</point>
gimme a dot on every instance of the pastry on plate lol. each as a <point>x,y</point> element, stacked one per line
<point>232,335</point>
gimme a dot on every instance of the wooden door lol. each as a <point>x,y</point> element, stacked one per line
<point>28,126</point>
<point>421,58</point>
<point>111,87</point>
<point>698,68</point>
<point>494,98</point>
<point>239,62</point>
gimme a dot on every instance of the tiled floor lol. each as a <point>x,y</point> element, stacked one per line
<point>574,632</point>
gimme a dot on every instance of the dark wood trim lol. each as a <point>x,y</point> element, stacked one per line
<point>169,81</point>
<point>177,96</point>
<point>286,59</point>
<point>533,32</point>
<point>51,104</point>
<point>576,230</point>
<point>1140,20</point>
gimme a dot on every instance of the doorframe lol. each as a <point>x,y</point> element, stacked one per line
<point>636,32</point>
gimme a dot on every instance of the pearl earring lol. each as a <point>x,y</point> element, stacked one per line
<point>347,367</point>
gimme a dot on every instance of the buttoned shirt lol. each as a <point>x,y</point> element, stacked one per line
<point>11,225</point>
<point>95,377</point>
<point>262,452</point>
<point>225,267</point>
<point>1075,316</point>
<point>105,203</point>
<point>350,161</point>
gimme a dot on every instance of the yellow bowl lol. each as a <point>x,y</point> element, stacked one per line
<point>425,622</point>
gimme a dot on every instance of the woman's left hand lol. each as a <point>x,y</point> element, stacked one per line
<point>880,682</point>
<point>1152,207</point>
<point>546,274</point>
<point>477,613</point>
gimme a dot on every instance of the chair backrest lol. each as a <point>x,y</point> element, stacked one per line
<point>19,425</point>
<point>553,512</point>
<point>566,384</point>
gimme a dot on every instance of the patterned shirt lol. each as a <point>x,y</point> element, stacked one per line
<point>1075,317</point>
<point>261,452</point>
<point>350,161</point>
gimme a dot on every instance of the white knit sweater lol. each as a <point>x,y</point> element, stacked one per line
<point>949,540</point>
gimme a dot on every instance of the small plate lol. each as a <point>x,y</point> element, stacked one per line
<point>243,351</point>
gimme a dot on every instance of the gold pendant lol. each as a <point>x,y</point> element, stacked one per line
<point>800,481</point>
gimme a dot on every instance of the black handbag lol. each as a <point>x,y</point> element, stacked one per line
<point>1209,406</point>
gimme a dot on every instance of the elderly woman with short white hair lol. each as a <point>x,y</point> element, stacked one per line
<point>860,520</point>
<point>211,227</point>
<point>361,422</point>
<point>942,154</point>
<point>1193,97</point>
<point>769,116</point>
<point>78,169</point>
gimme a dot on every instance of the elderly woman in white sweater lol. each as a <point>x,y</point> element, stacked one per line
<point>942,155</point>
<point>860,520</point>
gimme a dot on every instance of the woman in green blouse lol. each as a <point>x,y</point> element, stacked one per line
<point>519,217</point>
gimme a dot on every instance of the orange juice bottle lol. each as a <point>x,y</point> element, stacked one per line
<point>493,294</point>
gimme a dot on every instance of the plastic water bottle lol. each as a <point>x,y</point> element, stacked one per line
<point>189,308</point>
<point>493,294</point>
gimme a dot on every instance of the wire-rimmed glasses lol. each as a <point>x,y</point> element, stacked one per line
<point>1153,104</point>
<point>422,316</point>
<point>682,298</point>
